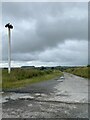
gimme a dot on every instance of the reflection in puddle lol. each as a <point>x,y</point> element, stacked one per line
<point>13,96</point>
<point>21,96</point>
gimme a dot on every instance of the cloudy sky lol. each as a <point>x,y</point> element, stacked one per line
<point>48,33</point>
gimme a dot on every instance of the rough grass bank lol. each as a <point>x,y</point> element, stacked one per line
<point>22,77</point>
<point>79,71</point>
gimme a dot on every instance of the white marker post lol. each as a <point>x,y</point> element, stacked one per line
<point>9,46</point>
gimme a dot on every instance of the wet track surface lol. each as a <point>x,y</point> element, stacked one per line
<point>59,98</point>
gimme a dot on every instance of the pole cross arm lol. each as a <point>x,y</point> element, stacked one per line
<point>9,26</point>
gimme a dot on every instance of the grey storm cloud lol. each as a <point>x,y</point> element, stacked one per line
<point>41,27</point>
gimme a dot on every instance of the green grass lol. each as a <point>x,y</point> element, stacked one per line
<point>22,77</point>
<point>79,71</point>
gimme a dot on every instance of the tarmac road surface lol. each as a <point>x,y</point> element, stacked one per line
<point>59,98</point>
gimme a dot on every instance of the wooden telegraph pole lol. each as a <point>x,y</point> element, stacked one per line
<point>9,26</point>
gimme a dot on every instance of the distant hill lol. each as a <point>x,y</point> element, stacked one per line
<point>28,67</point>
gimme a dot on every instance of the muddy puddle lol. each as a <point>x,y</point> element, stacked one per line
<point>21,96</point>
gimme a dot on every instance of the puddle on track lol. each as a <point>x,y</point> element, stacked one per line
<point>22,96</point>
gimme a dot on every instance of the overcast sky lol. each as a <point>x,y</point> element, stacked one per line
<point>48,34</point>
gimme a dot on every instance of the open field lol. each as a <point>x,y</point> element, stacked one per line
<point>21,77</point>
<point>79,71</point>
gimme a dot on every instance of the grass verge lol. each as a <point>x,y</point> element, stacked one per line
<point>21,78</point>
<point>79,71</point>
